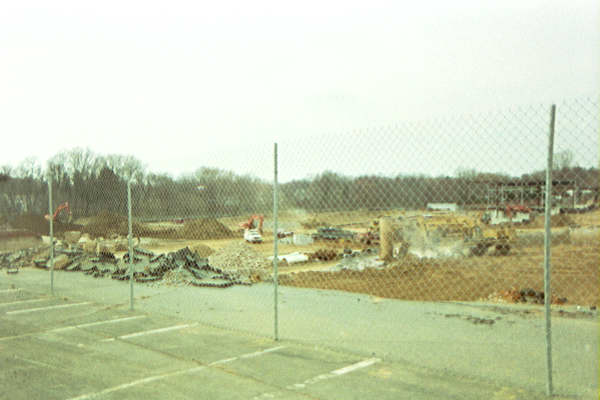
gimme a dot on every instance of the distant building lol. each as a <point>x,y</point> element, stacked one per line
<point>442,206</point>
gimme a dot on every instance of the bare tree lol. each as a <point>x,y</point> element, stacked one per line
<point>563,160</point>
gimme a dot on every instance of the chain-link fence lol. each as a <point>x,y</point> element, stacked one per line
<point>421,215</point>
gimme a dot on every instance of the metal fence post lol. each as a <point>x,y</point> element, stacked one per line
<point>130,243</point>
<point>51,219</point>
<point>275,243</point>
<point>547,245</point>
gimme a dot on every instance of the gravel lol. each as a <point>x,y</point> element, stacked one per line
<point>242,261</point>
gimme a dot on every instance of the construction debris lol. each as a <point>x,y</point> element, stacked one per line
<point>201,250</point>
<point>182,266</point>
<point>528,295</point>
<point>292,258</point>
<point>358,261</point>
<point>72,237</point>
<point>61,261</point>
<point>323,255</point>
<point>332,233</point>
<point>19,259</point>
<point>241,261</point>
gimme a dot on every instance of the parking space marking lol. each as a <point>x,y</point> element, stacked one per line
<point>354,367</point>
<point>151,332</point>
<point>249,355</point>
<point>110,321</point>
<point>25,301</point>
<point>333,374</point>
<point>46,308</point>
<point>167,375</point>
<point>10,290</point>
<point>67,328</point>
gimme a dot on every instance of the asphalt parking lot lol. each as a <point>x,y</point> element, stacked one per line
<point>54,347</point>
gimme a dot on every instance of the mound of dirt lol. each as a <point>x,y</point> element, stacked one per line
<point>108,223</point>
<point>205,228</point>
<point>313,223</point>
<point>38,225</point>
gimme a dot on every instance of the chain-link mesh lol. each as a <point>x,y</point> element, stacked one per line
<point>465,222</point>
<point>448,210</point>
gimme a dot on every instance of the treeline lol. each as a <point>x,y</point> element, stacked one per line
<point>334,192</point>
<point>93,183</point>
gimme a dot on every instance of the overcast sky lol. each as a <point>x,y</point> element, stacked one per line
<point>179,84</point>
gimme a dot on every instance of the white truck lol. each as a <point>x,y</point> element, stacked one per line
<point>252,236</point>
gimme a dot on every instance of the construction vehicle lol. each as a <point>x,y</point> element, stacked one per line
<point>252,236</point>
<point>253,228</point>
<point>62,214</point>
<point>255,222</point>
<point>438,226</point>
<point>479,238</point>
<point>484,238</point>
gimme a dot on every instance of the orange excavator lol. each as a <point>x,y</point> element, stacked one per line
<point>63,211</point>
<point>254,222</point>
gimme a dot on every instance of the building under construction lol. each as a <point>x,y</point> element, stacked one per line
<point>567,196</point>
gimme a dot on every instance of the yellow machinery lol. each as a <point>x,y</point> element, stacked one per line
<point>499,237</point>
<point>434,228</point>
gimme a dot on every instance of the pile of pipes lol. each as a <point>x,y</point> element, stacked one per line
<point>146,266</point>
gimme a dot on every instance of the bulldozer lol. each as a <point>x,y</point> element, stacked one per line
<point>485,238</point>
<point>438,226</point>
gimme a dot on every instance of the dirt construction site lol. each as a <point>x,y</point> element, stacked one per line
<point>212,252</point>
<point>404,314</point>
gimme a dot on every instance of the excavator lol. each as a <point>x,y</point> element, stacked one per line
<point>62,214</point>
<point>254,222</point>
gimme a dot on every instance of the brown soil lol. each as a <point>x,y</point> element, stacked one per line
<point>107,223</point>
<point>11,244</point>
<point>559,220</point>
<point>38,225</point>
<point>205,228</point>
<point>575,274</point>
<point>313,223</point>
<point>587,219</point>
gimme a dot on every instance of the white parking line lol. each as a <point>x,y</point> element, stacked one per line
<point>150,332</point>
<point>159,377</point>
<point>24,301</point>
<point>67,328</point>
<point>110,321</point>
<point>354,367</point>
<point>337,372</point>
<point>9,290</point>
<point>46,308</point>
<point>249,355</point>
<point>333,374</point>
